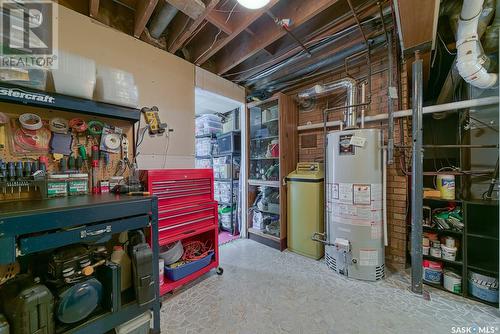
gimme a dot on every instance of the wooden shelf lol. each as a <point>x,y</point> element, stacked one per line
<point>438,199</point>
<point>482,236</point>
<point>265,158</point>
<point>440,287</point>
<point>275,184</point>
<point>441,231</point>
<point>262,234</point>
<point>264,138</point>
<point>432,258</point>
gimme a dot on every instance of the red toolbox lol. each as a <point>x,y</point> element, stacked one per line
<point>186,211</point>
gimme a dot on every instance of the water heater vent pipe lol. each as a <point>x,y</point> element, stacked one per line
<point>350,113</point>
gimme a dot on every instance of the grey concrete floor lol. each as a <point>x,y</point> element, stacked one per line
<point>266,291</point>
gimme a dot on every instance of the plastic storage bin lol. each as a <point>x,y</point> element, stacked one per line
<point>204,146</point>
<point>139,325</point>
<point>175,274</point>
<point>229,142</point>
<point>483,287</point>
<point>222,191</point>
<point>116,87</point>
<point>75,75</point>
<point>35,78</point>
<point>208,124</point>
<point>203,163</point>
<point>226,167</point>
<point>231,121</point>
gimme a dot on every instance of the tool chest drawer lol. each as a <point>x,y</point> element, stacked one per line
<point>172,216</point>
<point>180,186</point>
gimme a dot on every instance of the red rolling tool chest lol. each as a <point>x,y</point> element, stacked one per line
<point>186,211</point>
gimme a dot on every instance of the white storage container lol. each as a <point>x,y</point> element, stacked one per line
<point>139,325</point>
<point>75,75</point>
<point>222,191</point>
<point>116,86</point>
<point>203,163</point>
<point>208,124</point>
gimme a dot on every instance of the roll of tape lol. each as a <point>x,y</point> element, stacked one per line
<point>112,141</point>
<point>30,121</point>
<point>59,125</point>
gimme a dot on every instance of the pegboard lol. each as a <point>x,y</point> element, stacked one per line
<point>105,172</point>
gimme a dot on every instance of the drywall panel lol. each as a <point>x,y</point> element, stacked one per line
<point>215,84</point>
<point>163,79</point>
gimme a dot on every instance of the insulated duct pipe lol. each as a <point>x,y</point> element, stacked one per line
<point>162,19</point>
<point>350,114</point>
<point>470,55</point>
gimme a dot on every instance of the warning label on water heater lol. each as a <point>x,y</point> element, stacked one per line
<point>368,257</point>
<point>362,194</point>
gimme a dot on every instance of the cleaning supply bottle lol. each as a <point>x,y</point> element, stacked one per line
<point>120,257</point>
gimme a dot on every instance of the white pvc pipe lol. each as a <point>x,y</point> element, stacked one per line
<point>485,101</point>
<point>470,55</point>
<point>384,195</point>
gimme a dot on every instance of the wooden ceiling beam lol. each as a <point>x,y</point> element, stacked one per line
<point>192,8</point>
<point>180,32</point>
<point>247,17</point>
<point>251,66</point>
<point>143,11</point>
<point>298,11</point>
<point>93,8</point>
<point>217,20</point>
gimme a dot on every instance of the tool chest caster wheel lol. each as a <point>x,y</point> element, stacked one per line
<point>219,271</point>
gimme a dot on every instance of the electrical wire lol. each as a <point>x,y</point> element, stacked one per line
<point>445,47</point>
<point>218,34</point>
<point>196,250</point>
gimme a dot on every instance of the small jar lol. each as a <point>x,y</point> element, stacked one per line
<point>57,185</point>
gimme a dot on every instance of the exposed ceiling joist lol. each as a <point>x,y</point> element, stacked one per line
<point>298,11</point>
<point>192,8</point>
<point>93,8</point>
<point>182,29</point>
<point>201,53</point>
<point>143,11</point>
<point>253,66</point>
<point>219,21</point>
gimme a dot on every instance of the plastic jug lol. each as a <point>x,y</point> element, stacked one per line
<point>120,257</point>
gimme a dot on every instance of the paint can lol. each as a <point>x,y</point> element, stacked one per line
<point>433,271</point>
<point>425,250</point>
<point>161,267</point>
<point>446,186</point>
<point>435,243</point>
<point>483,287</point>
<point>452,281</point>
<point>435,252</point>
<point>448,253</point>
<point>425,242</point>
<point>449,242</point>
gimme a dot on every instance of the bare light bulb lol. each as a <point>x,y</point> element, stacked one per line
<point>253,4</point>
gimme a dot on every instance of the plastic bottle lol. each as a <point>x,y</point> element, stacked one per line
<point>120,257</point>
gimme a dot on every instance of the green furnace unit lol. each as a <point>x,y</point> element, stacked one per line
<point>305,209</point>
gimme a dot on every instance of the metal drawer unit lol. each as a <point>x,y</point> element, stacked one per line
<point>186,210</point>
<point>29,227</point>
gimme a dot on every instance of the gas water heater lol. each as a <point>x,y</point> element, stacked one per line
<point>354,204</point>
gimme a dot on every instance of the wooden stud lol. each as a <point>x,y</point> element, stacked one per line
<point>93,8</point>
<point>298,11</point>
<point>143,11</point>
<point>180,32</point>
<point>201,53</point>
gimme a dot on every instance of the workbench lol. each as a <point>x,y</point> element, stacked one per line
<point>29,227</point>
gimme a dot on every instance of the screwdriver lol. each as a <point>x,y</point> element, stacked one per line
<point>43,160</point>
<point>95,167</point>
<point>11,173</point>
<point>19,173</point>
<point>71,163</point>
<point>3,173</point>
<point>27,173</point>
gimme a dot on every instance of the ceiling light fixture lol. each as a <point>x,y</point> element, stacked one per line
<point>253,4</point>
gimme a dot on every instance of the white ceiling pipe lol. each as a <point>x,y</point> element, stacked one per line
<point>470,55</point>
<point>485,101</point>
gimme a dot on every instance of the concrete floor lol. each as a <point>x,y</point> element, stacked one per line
<point>265,291</point>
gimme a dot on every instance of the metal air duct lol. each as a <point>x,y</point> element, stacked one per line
<point>162,19</point>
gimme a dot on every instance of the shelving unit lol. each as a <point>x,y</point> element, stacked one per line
<point>479,242</point>
<point>271,147</point>
<point>233,204</point>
